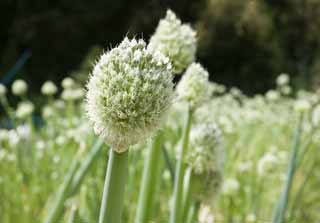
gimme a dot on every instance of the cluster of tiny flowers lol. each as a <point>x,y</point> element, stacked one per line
<point>302,105</point>
<point>206,151</point>
<point>49,88</point>
<point>206,158</point>
<point>175,40</point>
<point>194,86</point>
<point>129,90</point>
<point>68,83</point>
<point>19,87</point>
<point>283,79</point>
<point>24,109</point>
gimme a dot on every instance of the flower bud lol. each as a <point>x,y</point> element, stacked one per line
<point>176,41</point>
<point>206,158</point>
<point>19,87</point>
<point>49,88</point>
<point>194,86</point>
<point>24,109</point>
<point>67,83</point>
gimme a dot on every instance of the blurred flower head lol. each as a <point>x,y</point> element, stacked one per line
<point>19,87</point>
<point>194,86</point>
<point>49,88</point>
<point>25,109</point>
<point>176,41</point>
<point>67,83</point>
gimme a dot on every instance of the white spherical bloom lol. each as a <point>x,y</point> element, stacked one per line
<point>267,163</point>
<point>230,186</point>
<point>68,83</point>
<point>206,159</point>
<point>206,151</point>
<point>3,90</point>
<point>23,131</point>
<point>194,86</point>
<point>48,111</point>
<point>176,41</point>
<point>24,109</point>
<point>302,105</point>
<point>19,87</point>
<point>206,215</point>
<point>283,79</point>
<point>128,92</point>
<point>72,94</point>
<point>49,88</point>
<point>272,95</point>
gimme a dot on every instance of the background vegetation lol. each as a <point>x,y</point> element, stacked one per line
<point>244,43</point>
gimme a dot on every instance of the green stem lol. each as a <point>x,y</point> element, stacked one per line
<point>55,212</point>
<point>280,210</point>
<point>187,192</point>
<point>114,187</point>
<point>72,182</point>
<point>176,215</point>
<point>149,182</point>
<point>85,166</point>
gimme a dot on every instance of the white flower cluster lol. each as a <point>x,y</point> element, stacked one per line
<point>70,90</point>
<point>206,158</point>
<point>49,88</point>
<point>129,90</point>
<point>24,109</point>
<point>19,87</point>
<point>175,40</point>
<point>206,151</point>
<point>194,86</point>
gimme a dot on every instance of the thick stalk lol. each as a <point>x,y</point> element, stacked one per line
<point>280,210</point>
<point>187,194</point>
<point>176,215</point>
<point>149,182</point>
<point>114,187</point>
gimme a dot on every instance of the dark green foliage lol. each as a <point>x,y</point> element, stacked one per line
<point>246,43</point>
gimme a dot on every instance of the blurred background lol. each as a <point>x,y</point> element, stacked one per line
<point>243,43</point>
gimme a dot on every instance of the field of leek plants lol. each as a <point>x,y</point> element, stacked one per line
<point>132,146</point>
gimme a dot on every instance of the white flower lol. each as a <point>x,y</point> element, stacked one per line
<point>49,88</point>
<point>48,111</point>
<point>206,152</point>
<point>267,163</point>
<point>72,94</point>
<point>302,105</point>
<point>3,90</point>
<point>19,87</point>
<point>272,95</point>
<point>24,109</point>
<point>230,186</point>
<point>68,83</point>
<point>126,98</point>
<point>283,79</point>
<point>23,131</point>
<point>194,86</point>
<point>205,214</point>
<point>176,41</point>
